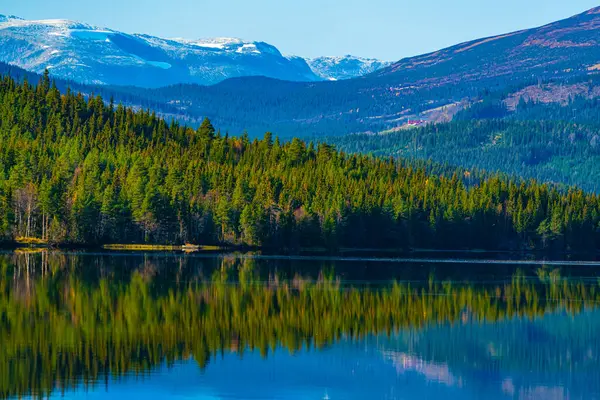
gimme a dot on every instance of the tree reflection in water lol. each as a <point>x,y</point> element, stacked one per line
<point>70,319</point>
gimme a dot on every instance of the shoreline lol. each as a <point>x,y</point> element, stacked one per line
<point>477,255</point>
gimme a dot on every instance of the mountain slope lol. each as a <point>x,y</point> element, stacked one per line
<point>563,48</point>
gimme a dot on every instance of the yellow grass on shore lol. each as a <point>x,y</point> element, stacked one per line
<point>30,240</point>
<point>160,247</point>
<point>141,247</point>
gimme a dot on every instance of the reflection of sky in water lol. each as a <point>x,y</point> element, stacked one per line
<point>400,367</point>
<point>344,372</point>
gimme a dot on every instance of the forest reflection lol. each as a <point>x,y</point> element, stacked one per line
<point>71,319</point>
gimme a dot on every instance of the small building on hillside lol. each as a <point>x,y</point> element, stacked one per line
<point>415,122</point>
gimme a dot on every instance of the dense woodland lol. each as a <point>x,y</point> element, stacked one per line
<point>79,170</point>
<point>98,318</point>
<point>547,142</point>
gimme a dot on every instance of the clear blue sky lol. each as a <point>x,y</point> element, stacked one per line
<point>387,29</point>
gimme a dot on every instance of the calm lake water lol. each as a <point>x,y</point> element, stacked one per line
<point>126,326</point>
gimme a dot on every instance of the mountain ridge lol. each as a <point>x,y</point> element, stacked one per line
<point>572,30</point>
<point>98,55</point>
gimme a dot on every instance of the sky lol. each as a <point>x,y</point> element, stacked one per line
<point>385,29</point>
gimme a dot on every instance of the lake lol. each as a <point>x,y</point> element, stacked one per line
<point>166,325</point>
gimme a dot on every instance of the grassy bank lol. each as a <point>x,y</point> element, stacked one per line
<point>30,241</point>
<point>161,247</point>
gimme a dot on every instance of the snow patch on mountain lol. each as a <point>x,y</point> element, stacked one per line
<point>248,48</point>
<point>345,67</point>
<point>221,43</point>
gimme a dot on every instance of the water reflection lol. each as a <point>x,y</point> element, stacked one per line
<point>85,324</point>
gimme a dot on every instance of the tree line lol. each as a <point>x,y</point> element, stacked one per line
<point>82,170</point>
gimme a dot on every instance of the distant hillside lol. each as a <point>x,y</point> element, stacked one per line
<point>564,48</point>
<point>550,151</point>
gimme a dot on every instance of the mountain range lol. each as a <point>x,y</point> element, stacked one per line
<point>93,55</point>
<point>551,63</point>
<point>538,63</point>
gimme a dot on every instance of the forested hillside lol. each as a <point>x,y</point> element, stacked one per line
<point>549,142</point>
<point>82,171</point>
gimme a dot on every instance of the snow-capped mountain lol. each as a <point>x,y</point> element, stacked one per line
<point>89,54</point>
<point>346,67</point>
